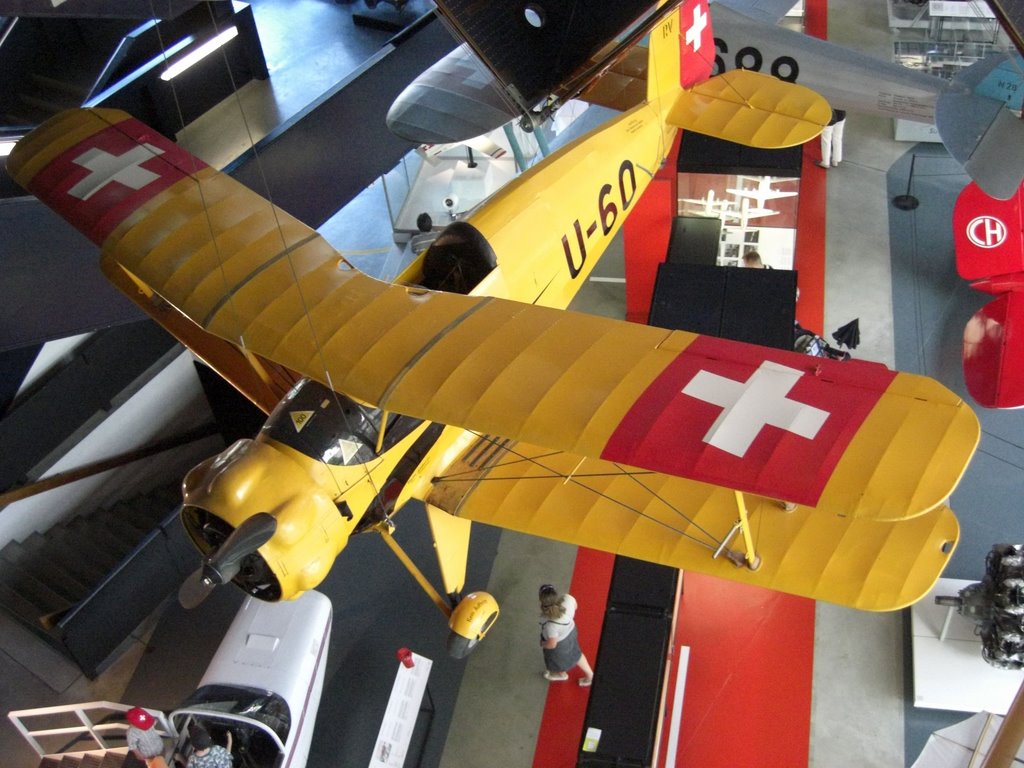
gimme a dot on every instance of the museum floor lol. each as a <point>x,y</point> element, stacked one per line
<point>891,269</point>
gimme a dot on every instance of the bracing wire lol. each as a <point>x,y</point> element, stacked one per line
<point>287,248</point>
<point>479,475</point>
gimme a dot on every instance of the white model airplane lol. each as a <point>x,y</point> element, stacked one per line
<point>764,191</point>
<point>708,205</point>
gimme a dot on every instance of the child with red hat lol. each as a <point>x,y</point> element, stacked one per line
<point>143,739</point>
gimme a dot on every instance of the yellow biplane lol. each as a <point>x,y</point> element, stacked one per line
<point>467,385</point>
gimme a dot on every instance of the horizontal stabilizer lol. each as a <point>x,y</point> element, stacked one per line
<point>752,109</point>
<point>767,11</point>
<point>993,353</point>
<point>1003,83</point>
<point>978,130</point>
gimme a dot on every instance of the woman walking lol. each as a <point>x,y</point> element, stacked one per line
<point>558,637</point>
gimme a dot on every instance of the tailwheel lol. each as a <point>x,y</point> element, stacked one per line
<point>469,623</point>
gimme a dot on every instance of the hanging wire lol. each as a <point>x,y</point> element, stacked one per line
<point>287,248</point>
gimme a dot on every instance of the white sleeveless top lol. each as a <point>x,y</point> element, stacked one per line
<point>560,628</point>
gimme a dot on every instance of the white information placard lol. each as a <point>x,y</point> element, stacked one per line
<point>396,728</point>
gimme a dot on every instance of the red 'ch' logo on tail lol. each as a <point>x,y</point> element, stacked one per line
<point>696,43</point>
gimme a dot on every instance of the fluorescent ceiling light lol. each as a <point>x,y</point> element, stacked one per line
<point>6,147</point>
<point>199,53</point>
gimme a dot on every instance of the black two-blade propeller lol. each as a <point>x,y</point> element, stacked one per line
<point>223,563</point>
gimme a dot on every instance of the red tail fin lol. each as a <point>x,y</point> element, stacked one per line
<point>989,238</point>
<point>988,234</point>
<point>993,353</point>
<point>696,43</point>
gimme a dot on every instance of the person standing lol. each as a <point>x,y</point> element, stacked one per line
<point>832,140</point>
<point>558,637</point>
<point>752,260</point>
<point>143,740</point>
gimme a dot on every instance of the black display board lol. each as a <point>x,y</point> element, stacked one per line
<point>757,306</point>
<point>705,154</point>
<point>625,702</point>
<point>694,240</point>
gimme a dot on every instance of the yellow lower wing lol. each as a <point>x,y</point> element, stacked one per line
<point>752,109</point>
<point>864,564</point>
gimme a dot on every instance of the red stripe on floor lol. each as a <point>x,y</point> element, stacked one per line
<point>561,726</point>
<point>748,685</point>
<point>809,260</point>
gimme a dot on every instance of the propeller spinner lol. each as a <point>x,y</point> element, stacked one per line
<point>223,563</point>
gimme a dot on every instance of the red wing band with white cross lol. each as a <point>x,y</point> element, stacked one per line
<point>755,419</point>
<point>100,181</point>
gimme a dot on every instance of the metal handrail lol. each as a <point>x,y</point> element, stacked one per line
<point>88,730</point>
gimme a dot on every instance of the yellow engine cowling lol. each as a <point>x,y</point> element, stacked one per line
<point>254,476</point>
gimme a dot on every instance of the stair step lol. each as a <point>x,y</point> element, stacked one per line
<point>69,90</point>
<point>15,121</point>
<point>24,611</point>
<point>73,535</point>
<point>91,760</point>
<point>47,107</point>
<point>50,573</point>
<point>135,514</point>
<point>88,570</point>
<point>169,496</point>
<point>117,523</point>
<point>143,512</point>
<point>119,760</point>
<point>113,545</point>
<point>50,762</point>
<point>46,601</point>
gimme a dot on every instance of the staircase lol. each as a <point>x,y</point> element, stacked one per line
<point>87,735</point>
<point>85,584</point>
<point>42,577</point>
<point>106,759</point>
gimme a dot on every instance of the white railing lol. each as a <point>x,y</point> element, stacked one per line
<point>74,728</point>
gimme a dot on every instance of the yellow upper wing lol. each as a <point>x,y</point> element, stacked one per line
<point>592,386</point>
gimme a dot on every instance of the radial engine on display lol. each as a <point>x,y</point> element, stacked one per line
<point>996,605</point>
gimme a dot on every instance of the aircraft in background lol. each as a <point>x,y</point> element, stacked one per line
<point>467,385</point>
<point>763,191</point>
<point>988,236</point>
<point>480,88</point>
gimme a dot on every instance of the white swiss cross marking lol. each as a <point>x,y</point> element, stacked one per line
<point>696,30</point>
<point>747,407</point>
<point>104,168</point>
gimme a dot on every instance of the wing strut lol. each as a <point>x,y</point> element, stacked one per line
<point>748,558</point>
<point>385,528</point>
